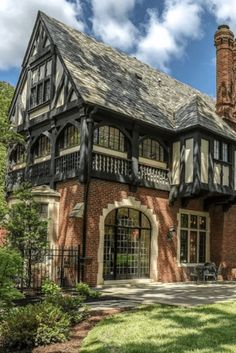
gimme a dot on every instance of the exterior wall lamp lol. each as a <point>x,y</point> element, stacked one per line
<point>171,233</point>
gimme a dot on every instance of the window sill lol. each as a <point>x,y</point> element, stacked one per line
<point>152,163</point>
<point>39,106</point>
<point>188,264</point>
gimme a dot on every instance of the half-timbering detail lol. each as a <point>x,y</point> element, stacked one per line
<point>148,161</point>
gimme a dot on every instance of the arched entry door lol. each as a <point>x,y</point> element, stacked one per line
<point>126,245</point>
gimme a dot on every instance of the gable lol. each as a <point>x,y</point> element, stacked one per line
<point>44,83</point>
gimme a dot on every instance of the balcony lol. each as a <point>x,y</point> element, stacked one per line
<point>103,167</point>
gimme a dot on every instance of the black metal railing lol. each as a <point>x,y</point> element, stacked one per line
<point>59,264</point>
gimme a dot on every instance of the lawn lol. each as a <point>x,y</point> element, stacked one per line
<point>166,329</point>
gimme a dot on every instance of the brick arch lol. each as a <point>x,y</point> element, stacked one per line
<point>130,202</point>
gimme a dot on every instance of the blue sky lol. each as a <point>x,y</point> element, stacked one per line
<point>175,36</point>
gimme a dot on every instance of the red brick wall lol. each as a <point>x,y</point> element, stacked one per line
<point>101,194</point>
<point>223,240</point>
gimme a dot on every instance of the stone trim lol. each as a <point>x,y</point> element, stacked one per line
<point>130,202</point>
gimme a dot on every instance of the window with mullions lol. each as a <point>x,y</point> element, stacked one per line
<point>151,149</point>
<point>70,137</point>
<point>18,155</point>
<point>41,84</point>
<point>221,151</point>
<point>110,137</point>
<point>42,147</point>
<point>193,238</point>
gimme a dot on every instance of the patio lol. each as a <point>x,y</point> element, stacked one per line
<point>184,294</point>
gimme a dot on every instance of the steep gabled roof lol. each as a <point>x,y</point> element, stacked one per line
<point>113,80</point>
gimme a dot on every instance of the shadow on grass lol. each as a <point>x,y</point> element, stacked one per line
<point>165,329</point>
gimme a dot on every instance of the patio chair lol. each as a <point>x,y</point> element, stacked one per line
<point>209,271</point>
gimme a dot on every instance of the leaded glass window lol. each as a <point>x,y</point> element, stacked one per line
<point>151,149</point>
<point>41,84</point>
<point>193,237</point>
<point>70,137</point>
<point>110,137</point>
<point>42,147</point>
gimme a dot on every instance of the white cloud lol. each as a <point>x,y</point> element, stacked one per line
<point>17,18</point>
<point>166,36</point>
<point>111,22</point>
<point>224,11</point>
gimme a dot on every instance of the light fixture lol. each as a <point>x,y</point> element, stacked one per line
<point>171,233</point>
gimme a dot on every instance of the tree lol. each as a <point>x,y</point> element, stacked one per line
<point>10,267</point>
<point>25,229</point>
<point>7,136</point>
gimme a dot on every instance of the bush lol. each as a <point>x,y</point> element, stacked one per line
<point>10,268</point>
<point>33,325</point>
<point>84,290</point>
<point>72,305</point>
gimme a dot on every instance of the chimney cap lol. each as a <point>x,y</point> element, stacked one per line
<point>223,27</point>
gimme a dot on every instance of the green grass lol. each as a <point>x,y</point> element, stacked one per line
<point>166,329</point>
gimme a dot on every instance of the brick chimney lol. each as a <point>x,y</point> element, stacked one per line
<point>225,73</point>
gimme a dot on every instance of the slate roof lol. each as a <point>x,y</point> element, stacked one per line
<point>115,81</point>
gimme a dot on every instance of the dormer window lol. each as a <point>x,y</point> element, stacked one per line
<point>41,84</point>
<point>151,149</point>
<point>221,151</point>
<point>109,137</point>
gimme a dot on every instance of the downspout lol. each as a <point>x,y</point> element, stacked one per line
<point>89,142</point>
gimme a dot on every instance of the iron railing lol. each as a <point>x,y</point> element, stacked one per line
<point>59,264</point>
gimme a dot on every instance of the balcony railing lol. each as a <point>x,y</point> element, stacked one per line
<point>67,166</point>
<point>105,165</point>
<point>39,173</point>
<point>15,178</point>
<point>154,176</point>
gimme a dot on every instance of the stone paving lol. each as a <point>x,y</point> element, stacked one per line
<point>184,294</point>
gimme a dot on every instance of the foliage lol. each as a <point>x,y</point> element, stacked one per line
<point>10,267</point>
<point>23,223</point>
<point>70,304</point>
<point>34,325</point>
<point>6,93</point>
<point>83,289</point>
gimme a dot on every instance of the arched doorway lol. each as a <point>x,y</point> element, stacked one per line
<point>127,244</point>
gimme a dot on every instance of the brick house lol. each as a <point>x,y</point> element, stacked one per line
<point>133,165</point>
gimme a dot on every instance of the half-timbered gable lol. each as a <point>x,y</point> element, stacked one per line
<point>145,157</point>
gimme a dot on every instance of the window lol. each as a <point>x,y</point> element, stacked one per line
<point>42,147</point>
<point>151,149</point>
<point>41,84</point>
<point>18,155</point>
<point>193,237</point>
<point>70,137</point>
<point>43,210</point>
<point>221,151</point>
<point>109,137</point>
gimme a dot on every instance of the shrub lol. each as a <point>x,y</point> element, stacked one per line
<point>36,324</point>
<point>72,305</point>
<point>10,268</point>
<point>84,290</point>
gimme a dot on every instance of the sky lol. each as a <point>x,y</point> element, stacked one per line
<point>175,36</point>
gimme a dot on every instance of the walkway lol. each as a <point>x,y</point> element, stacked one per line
<point>185,294</point>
